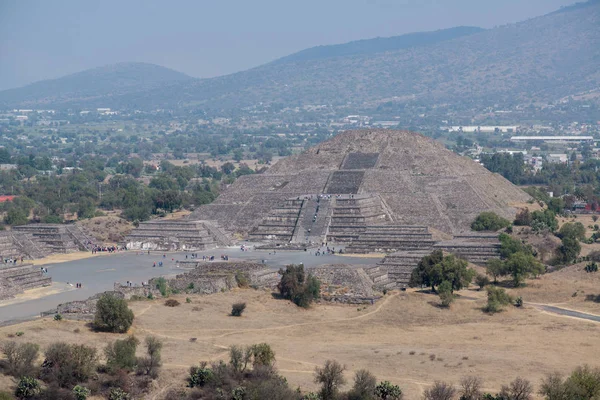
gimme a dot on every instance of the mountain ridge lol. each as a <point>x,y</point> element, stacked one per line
<point>541,59</point>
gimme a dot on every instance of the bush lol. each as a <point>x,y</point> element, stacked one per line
<point>591,267</point>
<point>242,279</point>
<point>489,221</point>
<point>519,389</point>
<point>118,394</point>
<point>237,309</point>
<point>298,287</point>
<point>188,300</point>
<point>470,388</point>
<point>386,391</point>
<point>519,302</point>
<point>81,392</point>
<point>58,317</point>
<point>21,358</point>
<point>27,388</point>
<point>496,299</point>
<point>523,218</point>
<point>439,391</point>
<point>445,293</point>
<point>544,220</point>
<point>112,314</point>
<point>171,303</point>
<point>120,355</point>
<point>162,286</point>
<point>67,364</point>
<point>199,376</point>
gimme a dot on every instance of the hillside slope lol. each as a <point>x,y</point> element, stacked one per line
<point>541,59</point>
<point>97,83</point>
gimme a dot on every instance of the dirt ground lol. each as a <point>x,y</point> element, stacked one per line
<point>405,337</point>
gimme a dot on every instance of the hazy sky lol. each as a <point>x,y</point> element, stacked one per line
<point>45,39</point>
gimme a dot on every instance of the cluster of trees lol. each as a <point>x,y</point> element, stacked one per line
<point>518,261</point>
<point>298,286</point>
<point>250,374</point>
<point>73,371</point>
<point>49,198</point>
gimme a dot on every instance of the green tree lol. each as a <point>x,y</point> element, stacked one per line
<point>112,314</point>
<point>522,265</point>
<point>542,220</point>
<point>489,221</point>
<point>435,268</point>
<point>573,230</point>
<point>569,250</point>
<point>497,298</point>
<point>151,364</point>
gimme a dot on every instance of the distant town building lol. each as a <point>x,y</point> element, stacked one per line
<point>483,129</point>
<point>552,139</point>
<point>7,167</point>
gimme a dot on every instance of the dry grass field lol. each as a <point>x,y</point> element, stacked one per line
<point>404,338</point>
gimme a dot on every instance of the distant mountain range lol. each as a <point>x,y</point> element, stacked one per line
<point>541,59</point>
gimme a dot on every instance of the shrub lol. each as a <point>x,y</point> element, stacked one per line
<point>237,309</point>
<point>67,364</point>
<point>171,303</point>
<point>523,218</point>
<point>162,286</point>
<point>21,358</point>
<point>331,378</point>
<point>81,392</point>
<point>262,355</point>
<point>298,287</point>
<point>188,300</point>
<point>439,391</point>
<point>27,388</point>
<point>120,354</point>
<point>112,314</point>
<point>386,391</point>
<point>496,299</point>
<point>489,221</point>
<point>199,376</point>
<point>519,389</point>
<point>519,302</point>
<point>118,394</point>
<point>151,364</point>
<point>591,267</point>
<point>242,279</point>
<point>20,333</point>
<point>544,220</point>
<point>58,317</point>
<point>445,293</point>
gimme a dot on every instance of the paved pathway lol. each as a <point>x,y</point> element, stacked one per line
<point>98,274</point>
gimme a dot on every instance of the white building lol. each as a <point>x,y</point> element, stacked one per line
<point>557,158</point>
<point>552,139</point>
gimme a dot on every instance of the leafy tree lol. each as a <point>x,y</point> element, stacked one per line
<point>573,230</point>
<point>435,268</point>
<point>297,286</point>
<point>86,208</point>
<point>495,267</point>
<point>120,354</point>
<point>331,378</point>
<point>112,314</point>
<point>227,168</point>
<point>521,265</point>
<point>482,280</point>
<point>386,391</point>
<point>569,250</point>
<point>489,221</point>
<point>262,355</point>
